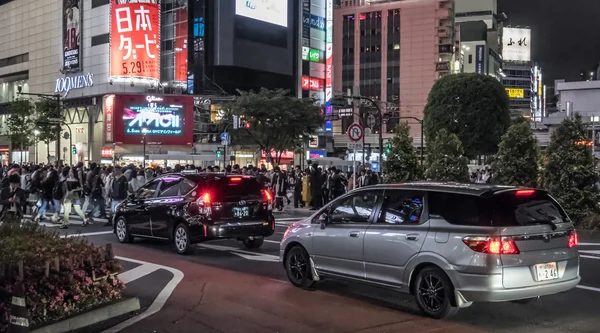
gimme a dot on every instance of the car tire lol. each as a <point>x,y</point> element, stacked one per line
<point>433,292</point>
<point>182,240</point>
<point>526,300</point>
<point>253,243</point>
<point>122,231</point>
<point>298,268</point>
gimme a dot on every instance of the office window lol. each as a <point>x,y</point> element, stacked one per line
<point>97,3</point>
<point>470,58</point>
<point>100,39</point>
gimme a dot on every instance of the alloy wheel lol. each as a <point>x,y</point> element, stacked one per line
<point>121,231</point>
<point>431,292</point>
<point>181,239</point>
<point>298,266</point>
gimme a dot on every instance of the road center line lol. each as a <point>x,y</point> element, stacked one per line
<point>589,288</point>
<point>589,244</point>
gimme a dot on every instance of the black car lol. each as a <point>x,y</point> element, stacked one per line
<point>192,208</point>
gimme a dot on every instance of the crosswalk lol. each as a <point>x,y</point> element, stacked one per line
<point>74,220</point>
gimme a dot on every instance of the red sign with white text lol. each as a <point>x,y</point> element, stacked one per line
<point>181,45</point>
<point>312,83</point>
<point>107,152</point>
<point>135,40</point>
<point>109,113</point>
<point>285,155</point>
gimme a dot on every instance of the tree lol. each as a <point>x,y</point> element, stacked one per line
<point>20,123</point>
<point>402,163</point>
<point>517,160</point>
<point>472,106</point>
<point>446,160</point>
<point>277,121</point>
<point>570,172</point>
<point>46,108</point>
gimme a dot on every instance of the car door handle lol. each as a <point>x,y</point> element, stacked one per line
<point>412,237</point>
<point>354,234</point>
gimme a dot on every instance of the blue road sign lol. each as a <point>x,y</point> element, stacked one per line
<point>225,136</point>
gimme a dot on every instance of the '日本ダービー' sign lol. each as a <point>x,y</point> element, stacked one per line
<point>135,39</point>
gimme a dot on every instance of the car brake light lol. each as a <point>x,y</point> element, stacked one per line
<point>524,193</point>
<point>205,230</point>
<point>235,179</point>
<point>573,239</point>
<point>268,195</point>
<point>205,199</point>
<point>492,245</point>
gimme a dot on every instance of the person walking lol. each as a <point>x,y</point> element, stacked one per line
<point>46,187</point>
<point>72,199</point>
<point>118,192</point>
<point>12,198</point>
<point>58,194</point>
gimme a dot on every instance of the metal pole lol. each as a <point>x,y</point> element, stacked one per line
<point>58,115</point>
<point>354,167</point>
<point>421,142</point>
<point>36,151</point>
<point>225,154</point>
<point>144,157</point>
<point>594,136</point>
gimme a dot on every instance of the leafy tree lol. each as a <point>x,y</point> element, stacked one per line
<point>277,120</point>
<point>46,108</point>
<point>20,123</point>
<point>517,160</point>
<point>402,164</point>
<point>446,160</point>
<point>472,106</point>
<point>570,172</point>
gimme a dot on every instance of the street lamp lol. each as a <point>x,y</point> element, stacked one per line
<point>36,133</point>
<point>144,132</point>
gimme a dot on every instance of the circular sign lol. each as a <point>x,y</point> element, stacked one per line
<point>355,132</point>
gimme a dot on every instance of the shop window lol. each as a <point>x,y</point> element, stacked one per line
<point>100,39</point>
<point>14,59</point>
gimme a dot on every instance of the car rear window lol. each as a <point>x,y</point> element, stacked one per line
<point>517,209</point>
<point>226,189</point>
<point>501,210</point>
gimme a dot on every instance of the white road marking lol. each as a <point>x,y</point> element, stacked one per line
<point>138,272</point>
<point>589,257</point>
<point>255,256</point>
<point>272,241</point>
<point>589,288</point>
<point>290,219</point>
<point>87,234</point>
<point>160,300</point>
<point>589,244</point>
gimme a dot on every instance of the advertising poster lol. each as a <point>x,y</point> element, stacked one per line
<point>109,110</point>
<point>480,59</point>
<point>72,18</point>
<point>270,11</point>
<point>181,44</point>
<point>135,39</point>
<point>166,119</point>
<point>328,63</point>
<point>516,44</point>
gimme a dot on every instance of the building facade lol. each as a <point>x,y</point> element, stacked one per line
<point>140,78</point>
<point>392,52</point>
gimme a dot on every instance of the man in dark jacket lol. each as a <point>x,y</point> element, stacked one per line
<point>315,187</point>
<point>12,198</point>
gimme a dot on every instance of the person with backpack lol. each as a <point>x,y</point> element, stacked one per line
<point>118,192</point>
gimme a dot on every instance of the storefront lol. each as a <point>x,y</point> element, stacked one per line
<point>245,158</point>
<point>286,159</point>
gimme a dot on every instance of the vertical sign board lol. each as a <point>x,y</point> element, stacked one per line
<point>181,45</point>
<point>328,62</point>
<point>196,51</point>
<point>72,19</point>
<point>480,59</point>
<point>109,112</point>
<point>135,39</point>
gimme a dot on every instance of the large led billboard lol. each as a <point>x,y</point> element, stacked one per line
<point>72,18</point>
<point>516,44</point>
<point>270,11</point>
<point>135,39</point>
<point>162,119</point>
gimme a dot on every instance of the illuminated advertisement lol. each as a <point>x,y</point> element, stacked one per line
<point>312,83</point>
<point>516,44</point>
<point>135,39</point>
<point>181,45</point>
<point>515,92</point>
<point>270,11</point>
<point>72,18</point>
<point>314,55</point>
<point>109,112</point>
<point>328,62</point>
<point>479,59</point>
<point>164,119</point>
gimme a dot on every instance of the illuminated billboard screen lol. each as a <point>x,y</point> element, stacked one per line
<point>516,44</point>
<point>163,119</point>
<point>270,11</point>
<point>135,39</point>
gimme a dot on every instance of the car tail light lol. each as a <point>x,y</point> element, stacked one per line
<point>205,231</point>
<point>492,245</point>
<point>205,201</point>
<point>235,179</point>
<point>573,239</point>
<point>269,198</point>
<point>273,225</point>
<point>524,193</point>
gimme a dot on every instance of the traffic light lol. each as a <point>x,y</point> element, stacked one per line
<point>388,148</point>
<point>219,153</point>
<point>74,150</point>
<point>245,124</point>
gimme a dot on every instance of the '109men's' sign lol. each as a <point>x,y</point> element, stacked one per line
<point>65,84</point>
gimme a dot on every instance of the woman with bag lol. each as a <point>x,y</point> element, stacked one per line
<point>72,200</point>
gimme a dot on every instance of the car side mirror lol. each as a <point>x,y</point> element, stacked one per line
<point>323,219</point>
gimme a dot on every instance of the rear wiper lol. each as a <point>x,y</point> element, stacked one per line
<point>548,222</point>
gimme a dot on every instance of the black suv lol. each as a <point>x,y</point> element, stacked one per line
<point>192,208</point>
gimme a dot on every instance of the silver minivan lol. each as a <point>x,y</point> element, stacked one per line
<point>447,244</point>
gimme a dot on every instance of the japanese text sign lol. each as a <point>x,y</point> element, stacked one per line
<point>135,40</point>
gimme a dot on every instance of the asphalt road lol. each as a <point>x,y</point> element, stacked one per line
<point>227,288</point>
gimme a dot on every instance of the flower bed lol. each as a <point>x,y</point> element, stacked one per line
<point>61,277</point>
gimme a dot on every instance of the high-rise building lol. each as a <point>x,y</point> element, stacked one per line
<point>391,51</point>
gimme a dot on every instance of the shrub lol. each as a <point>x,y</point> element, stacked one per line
<point>64,292</point>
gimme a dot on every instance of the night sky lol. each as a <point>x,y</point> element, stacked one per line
<point>565,34</point>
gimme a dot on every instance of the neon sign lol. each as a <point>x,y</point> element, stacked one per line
<point>159,120</point>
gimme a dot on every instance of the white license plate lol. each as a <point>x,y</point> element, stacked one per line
<point>240,212</point>
<point>548,271</point>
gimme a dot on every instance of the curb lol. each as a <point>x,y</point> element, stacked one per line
<point>92,317</point>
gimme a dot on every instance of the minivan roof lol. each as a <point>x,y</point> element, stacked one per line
<point>459,188</point>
